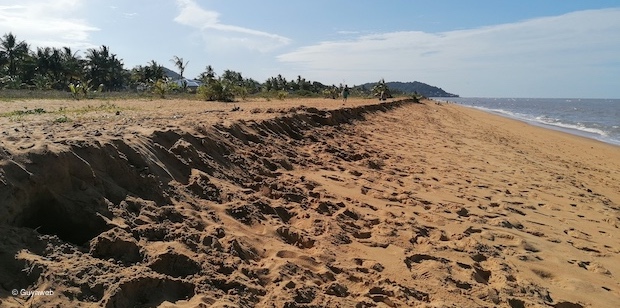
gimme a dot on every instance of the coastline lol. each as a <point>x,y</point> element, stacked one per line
<point>547,118</point>
<point>331,204</point>
<point>547,127</point>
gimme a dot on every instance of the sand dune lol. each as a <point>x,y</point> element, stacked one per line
<point>303,204</point>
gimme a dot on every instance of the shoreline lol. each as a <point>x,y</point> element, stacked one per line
<point>547,127</point>
<point>567,130</point>
<point>557,127</point>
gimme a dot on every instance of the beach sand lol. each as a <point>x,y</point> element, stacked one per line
<point>302,203</point>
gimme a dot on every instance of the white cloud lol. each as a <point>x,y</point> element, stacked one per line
<point>347,32</point>
<point>217,35</point>
<point>523,53</point>
<point>46,23</point>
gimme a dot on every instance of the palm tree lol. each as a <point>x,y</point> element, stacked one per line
<point>142,77</point>
<point>233,77</point>
<point>73,66</point>
<point>154,71</point>
<point>381,90</point>
<point>251,85</point>
<point>12,52</point>
<point>208,75</point>
<point>178,62</point>
<point>103,68</point>
<point>43,78</point>
<point>281,83</point>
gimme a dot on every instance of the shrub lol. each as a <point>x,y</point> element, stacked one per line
<point>83,89</point>
<point>161,88</point>
<point>216,90</point>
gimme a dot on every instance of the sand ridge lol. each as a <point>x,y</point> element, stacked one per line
<point>321,205</point>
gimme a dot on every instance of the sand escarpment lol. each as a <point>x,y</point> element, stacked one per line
<point>82,178</point>
<point>86,215</point>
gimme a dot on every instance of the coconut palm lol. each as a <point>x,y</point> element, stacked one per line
<point>50,66</point>
<point>12,52</point>
<point>208,75</point>
<point>73,66</point>
<point>181,65</point>
<point>233,77</point>
<point>178,62</point>
<point>142,77</point>
<point>154,71</point>
<point>43,59</point>
<point>104,68</point>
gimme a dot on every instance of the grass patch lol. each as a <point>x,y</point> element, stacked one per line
<point>62,119</point>
<point>17,115</point>
<point>23,112</point>
<point>105,107</point>
<point>8,95</point>
<point>64,112</point>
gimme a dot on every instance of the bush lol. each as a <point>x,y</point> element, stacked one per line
<point>304,93</point>
<point>161,87</point>
<point>216,90</point>
<point>84,89</point>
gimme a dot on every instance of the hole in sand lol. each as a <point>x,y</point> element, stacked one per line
<point>70,223</point>
<point>567,305</point>
<point>150,292</point>
<point>516,303</point>
<point>175,265</point>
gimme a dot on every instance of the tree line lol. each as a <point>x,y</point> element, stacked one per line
<point>63,69</point>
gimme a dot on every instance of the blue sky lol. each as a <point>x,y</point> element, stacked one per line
<point>491,48</point>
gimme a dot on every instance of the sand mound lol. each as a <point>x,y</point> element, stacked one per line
<point>394,204</point>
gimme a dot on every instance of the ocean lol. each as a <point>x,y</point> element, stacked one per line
<point>593,118</point>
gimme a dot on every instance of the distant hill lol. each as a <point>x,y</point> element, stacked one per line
<point>413,87</point>
<point>171,74</point>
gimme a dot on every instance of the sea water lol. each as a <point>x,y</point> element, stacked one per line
<point>593,118</point>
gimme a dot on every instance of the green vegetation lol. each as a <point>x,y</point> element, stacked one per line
<point>84,89</point>
<point>63,113</point>
<point>62,119</point>
<point>24,112</point>
<point>105,107</point>
<point>50,72</point>
<point>381,90</point>
<point>19,114</point>
<point>216,90</point>
<point>411,88</point>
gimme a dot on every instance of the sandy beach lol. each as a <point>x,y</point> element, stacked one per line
<point>301,203</point>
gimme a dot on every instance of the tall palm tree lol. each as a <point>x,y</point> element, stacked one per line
<point>44,75</point>
<point>73,66</point>
<point>208,75</point>
<point>50,63</point>
<point>146,75</point>
<point>12,52</point>
<point>178,62</point>
<point>104,68</point>
<point>232,76</point>
<point>154,71</point>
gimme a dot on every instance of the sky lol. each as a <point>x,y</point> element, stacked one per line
<point>477,48</point>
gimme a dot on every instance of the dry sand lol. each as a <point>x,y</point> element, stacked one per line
<point>302,203</point>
